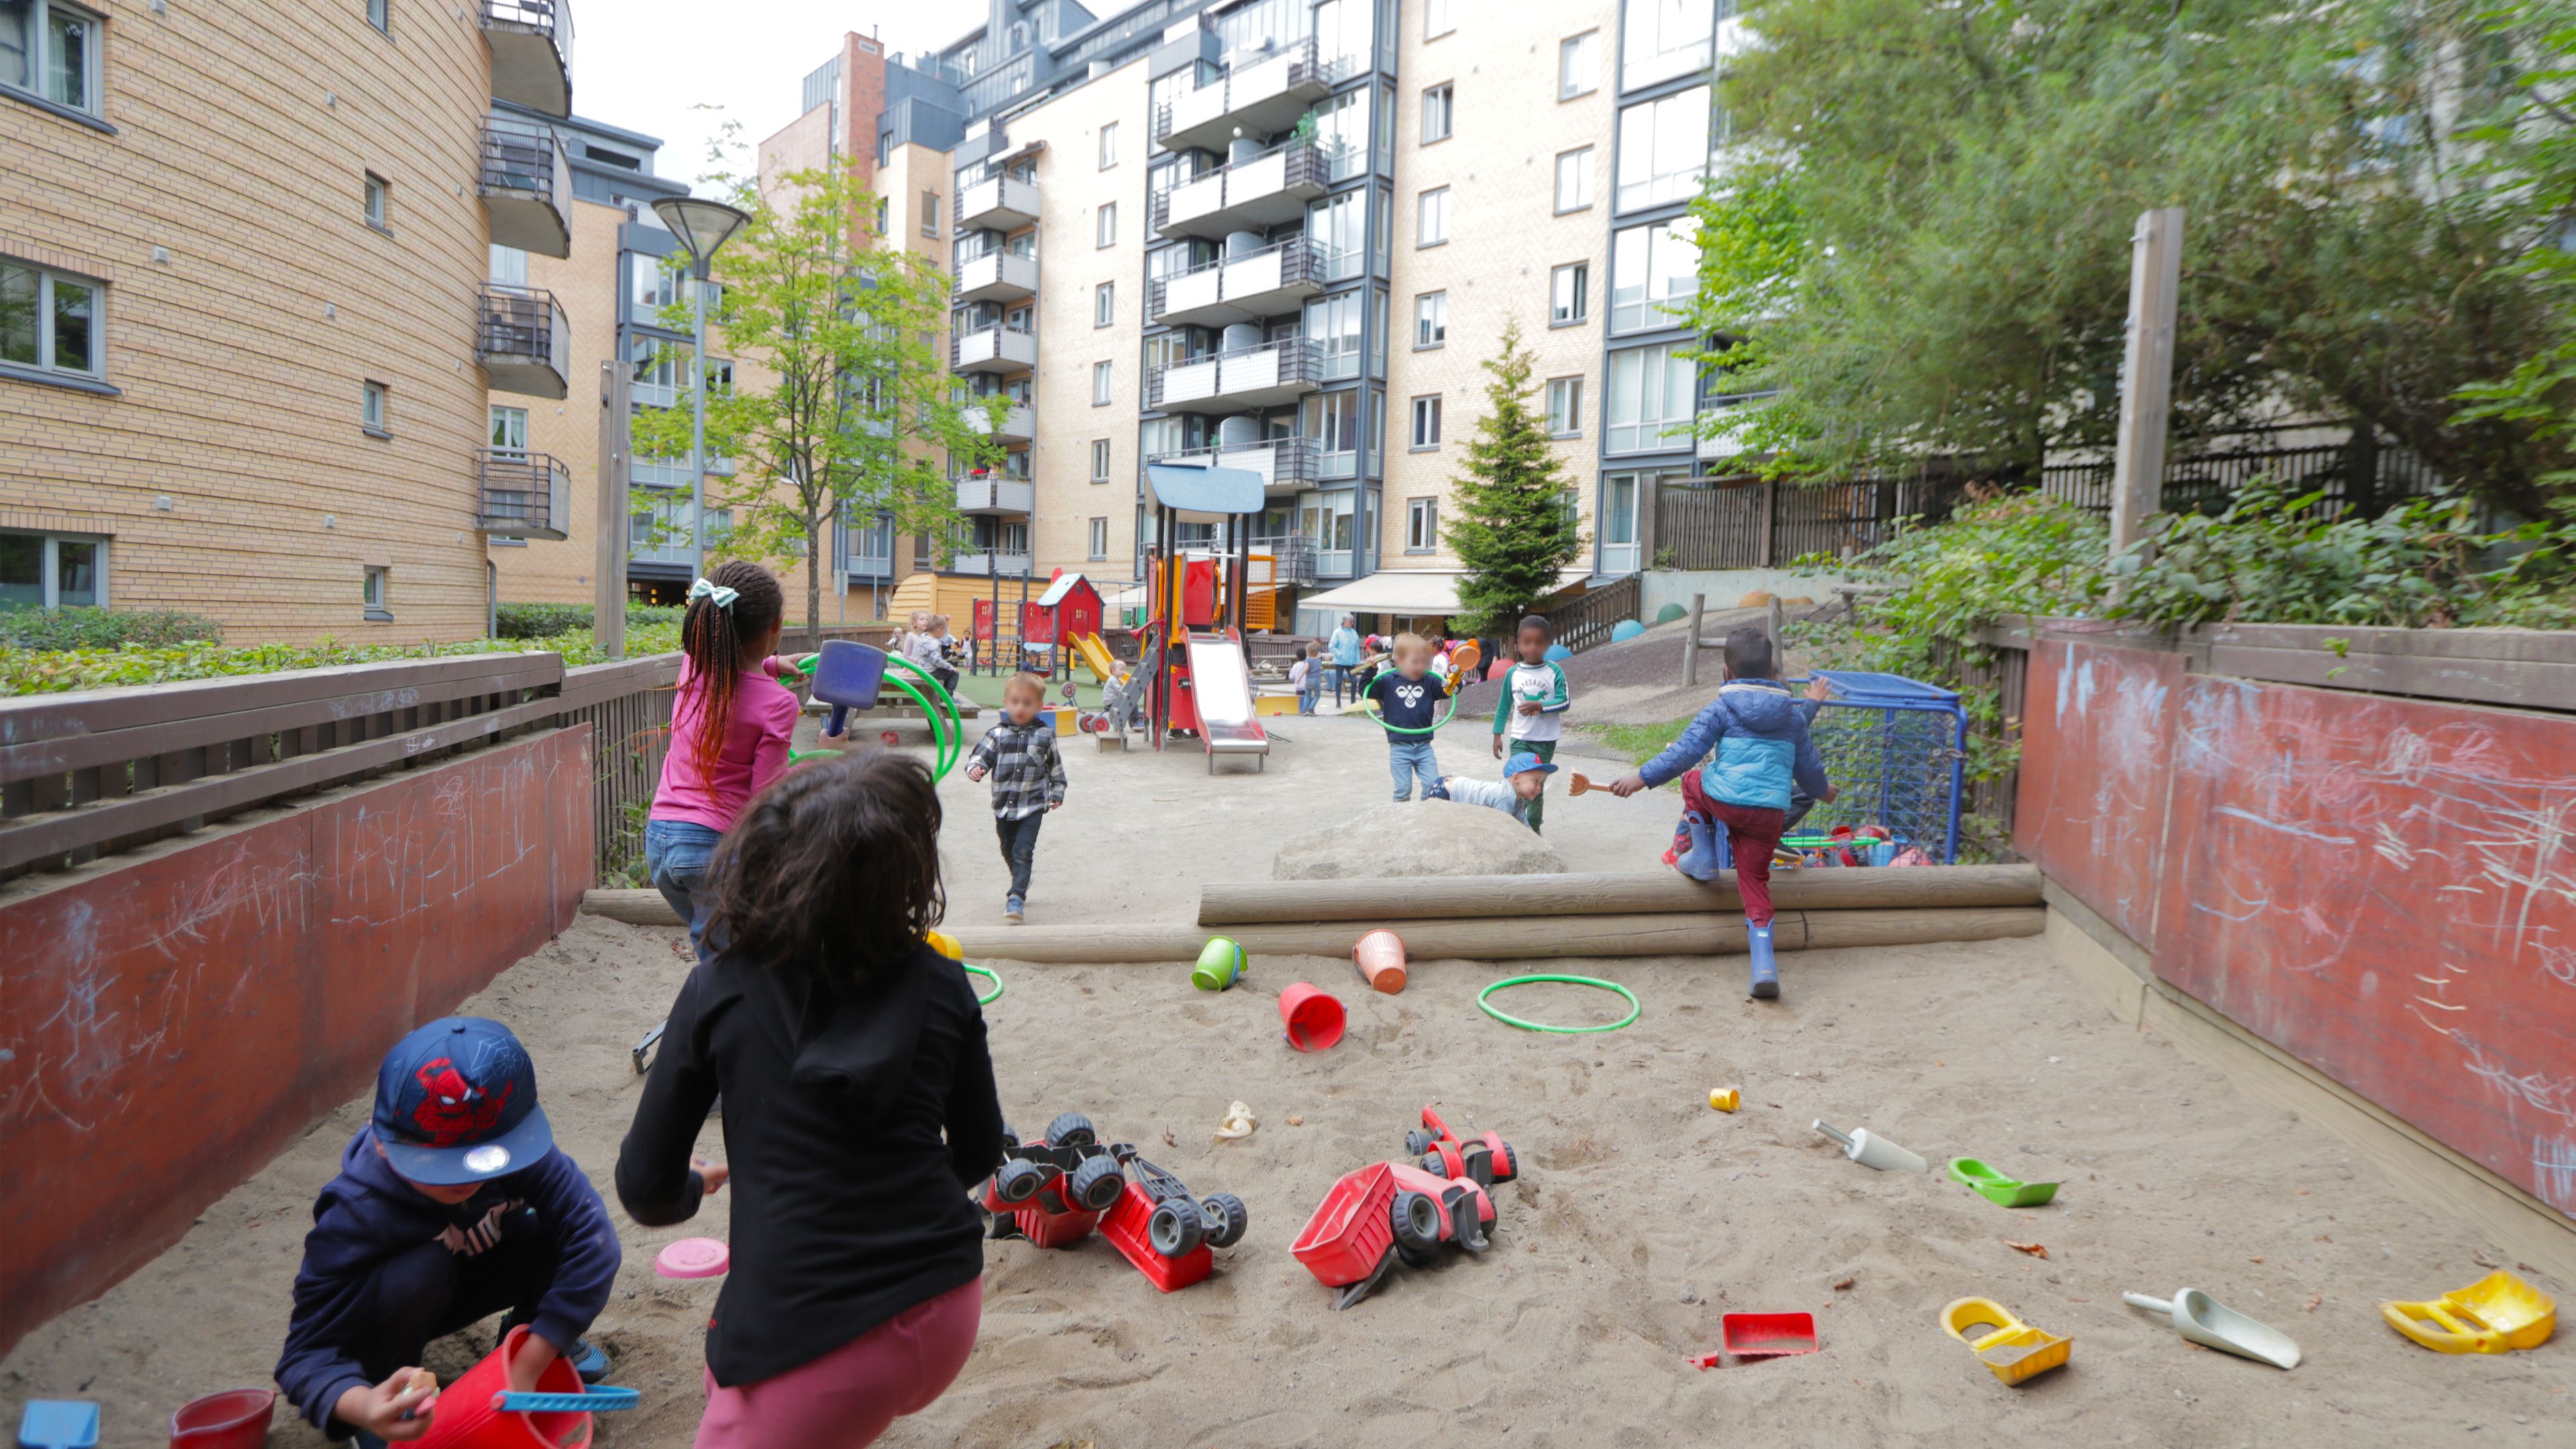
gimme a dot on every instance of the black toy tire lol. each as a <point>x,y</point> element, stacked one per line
<point>1070,1129</point>
<point>1018,1180</point>
<point>1507,1163</point>
<point>1095,1185</point>
<point>1175,1228</point>
<point>1416,1220</point>
<point>1418,1141</point>
<point>1416,1257</point>
<point>1227,1218</point>
<point>1432,1164</point>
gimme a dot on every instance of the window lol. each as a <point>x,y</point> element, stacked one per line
<point>1099,539</point>
<point>1666,38</point>
<point>1377,336</point>
<point>1334,324</point>
<point>1437,18</point>
<point>379,193</point>
<point>1618,523</point>
<point>1108,224</point>
<point>1108,157</point>
<point>929,214</point>
<point>1573,180</point>
<point>374,595</point>
<point>1100,384</point>
<point>371,408</point>
<point>50,321</point>
<point>1438,112</point>
<point>1431,320</point>
<point>1654,274</point>
<point>52,571</point>
<point>509,430</point>
<point>1324,520</point>
<point>1565,407</point>
<point>1652,393</point>
<point>1099,463</point>
<point>1333,421</point>
<point>1333,230</point>
<point>1422,525</point>
<point>1104,304</point>
<point>1569,294</point>
<point>1663,149</point>
<point>379,15</point>
<point>1426,423</point>
<point>1578,65</point>
<point>50,50</point>
<point>1431,217</point>
<point>884,213</point>
<point>1341,133</point>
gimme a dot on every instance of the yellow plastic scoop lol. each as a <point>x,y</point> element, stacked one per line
<point>2496,1314</point>
<point>2011,1349</point>
<point>2212,1324</point>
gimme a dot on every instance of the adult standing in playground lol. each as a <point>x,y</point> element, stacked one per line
<point>1344,650</point>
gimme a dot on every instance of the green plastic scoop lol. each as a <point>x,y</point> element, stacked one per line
<point>1998,1189</point>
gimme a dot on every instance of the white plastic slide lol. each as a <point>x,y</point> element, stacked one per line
<point>1222,687</point>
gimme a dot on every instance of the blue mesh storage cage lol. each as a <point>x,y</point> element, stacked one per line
<point>1896,750</point>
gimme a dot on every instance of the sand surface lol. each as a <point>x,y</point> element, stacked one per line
<point>1643,1216</point>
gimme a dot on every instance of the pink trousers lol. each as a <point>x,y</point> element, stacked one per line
<point>847,1397</point>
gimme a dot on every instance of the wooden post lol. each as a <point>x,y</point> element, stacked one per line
<point>608,552</point>
<point>1772,624</point>
<point>1690,641</point>
<point>2146,375</point>
<point>1770,517</point>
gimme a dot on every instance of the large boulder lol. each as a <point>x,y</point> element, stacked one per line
<point>1422,838</point>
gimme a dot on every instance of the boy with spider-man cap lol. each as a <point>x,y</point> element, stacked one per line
<point>451,1205</point>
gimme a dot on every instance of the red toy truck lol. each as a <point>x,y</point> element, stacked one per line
<point>1055,1190</point>
<point>1396,1211</point>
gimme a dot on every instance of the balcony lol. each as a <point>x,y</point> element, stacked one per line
<point>531,44</point>
<point>1286,465</point>
<point>1001,203</point>
<point>868,565</point>
<point>1267,283</point>
<point>525,495</point>
<point>1256,192</point>
<point>1260,95</point>
<point>997,276</point>
<point>1238,381</point>
<point>995,493</point>
<point>982,565</point>
<point>526,346</point>
<point>996,348</point>
<point>1292,558</point>
<point>526,187</point>
<point>1019,423</point>
<point>1719,449</point>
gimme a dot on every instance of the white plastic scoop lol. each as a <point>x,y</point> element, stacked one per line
<point>2206,1321</point>
<point>1869,1151</point>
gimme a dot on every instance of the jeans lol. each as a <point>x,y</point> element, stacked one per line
<point>1341,674</point>
<point>1311,690</point>
<point>1020,848</point>
<point>675,861</point>
<point>1545,750</point>
<point>426,1292</point>
<point>1409,760</point>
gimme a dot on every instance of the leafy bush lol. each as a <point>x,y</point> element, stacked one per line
<point>80,628</point>
<point>545,621</point>
<point>30,671</point>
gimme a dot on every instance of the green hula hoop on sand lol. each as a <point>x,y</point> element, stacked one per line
<point>994,976</point>
<point>1593,981</point>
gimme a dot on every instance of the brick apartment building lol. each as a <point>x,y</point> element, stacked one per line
<point>246,337</point>
<point>1283,235</point>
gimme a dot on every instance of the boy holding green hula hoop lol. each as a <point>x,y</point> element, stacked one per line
<point>1408,705</point>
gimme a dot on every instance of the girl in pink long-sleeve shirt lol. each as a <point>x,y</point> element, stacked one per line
<point>729,729</point>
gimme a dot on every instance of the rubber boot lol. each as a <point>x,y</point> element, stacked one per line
<point>1700,861</point>
<point>1766,972</point>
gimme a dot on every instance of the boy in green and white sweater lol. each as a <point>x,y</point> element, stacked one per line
<point>1529,717</point>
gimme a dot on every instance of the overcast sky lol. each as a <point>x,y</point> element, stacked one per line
<point>681,70</point>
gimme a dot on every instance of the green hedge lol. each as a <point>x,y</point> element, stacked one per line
<point>48,671</point>
<point>545,621</point>
<point>79,628</point>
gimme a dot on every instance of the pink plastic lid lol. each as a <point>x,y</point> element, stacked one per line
<point>693,1258</point>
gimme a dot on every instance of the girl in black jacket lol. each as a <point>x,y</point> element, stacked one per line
<point>859,1108</point>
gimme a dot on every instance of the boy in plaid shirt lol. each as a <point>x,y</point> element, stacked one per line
<point>1028,780</point>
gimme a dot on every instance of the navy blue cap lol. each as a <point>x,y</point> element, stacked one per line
<point>1526,761</point>
<point>456,1102</point>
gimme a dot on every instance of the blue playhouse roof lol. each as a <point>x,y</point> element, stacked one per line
<point>1862,684</point>
<point>1203,495</point>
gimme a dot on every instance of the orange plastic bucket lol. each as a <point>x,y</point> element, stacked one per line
<point>463,1416</point>
<point>1313,1017</point>
<point>1380,958</point>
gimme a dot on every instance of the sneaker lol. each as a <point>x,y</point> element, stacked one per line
<point>1011,910</point>
<point>589,1360</point>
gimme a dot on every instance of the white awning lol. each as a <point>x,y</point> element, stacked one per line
<point>1421,593</point>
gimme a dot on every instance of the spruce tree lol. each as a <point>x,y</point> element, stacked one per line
<point>1514,532</point>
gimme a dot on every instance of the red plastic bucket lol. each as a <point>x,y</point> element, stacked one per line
<point>1380,957</point>
<point>1313,1017</point>
<point>233,1419</point>
<point>463,1417</point>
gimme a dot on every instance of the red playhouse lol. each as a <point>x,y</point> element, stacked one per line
<point>1070,609</point>
<point>1193,649</point>
<point>1055,1190</point>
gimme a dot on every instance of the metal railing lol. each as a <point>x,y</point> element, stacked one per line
<point>1584,622</point>
<point>524,494</point>
<point>1300,264</point>
<point>524,325</point>
<point>1292,558</point>
<point>523,159</point>
<point>1001,333</point>
<point>1299,361</point>
<point>1303,164</point>
<point>1290,460</point>
<point>1303,69</point>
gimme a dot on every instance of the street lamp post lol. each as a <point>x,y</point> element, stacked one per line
<point>703,227</point>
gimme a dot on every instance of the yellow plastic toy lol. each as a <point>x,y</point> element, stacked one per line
<point>1725,1099</point>
<point>945,944</point>
<point>2496,1314</point>
<point>2011,1349</point>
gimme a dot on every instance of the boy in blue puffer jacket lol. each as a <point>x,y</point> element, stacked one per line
<point>1763,758</point>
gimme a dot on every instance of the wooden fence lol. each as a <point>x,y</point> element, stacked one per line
<point>1584,622</point>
